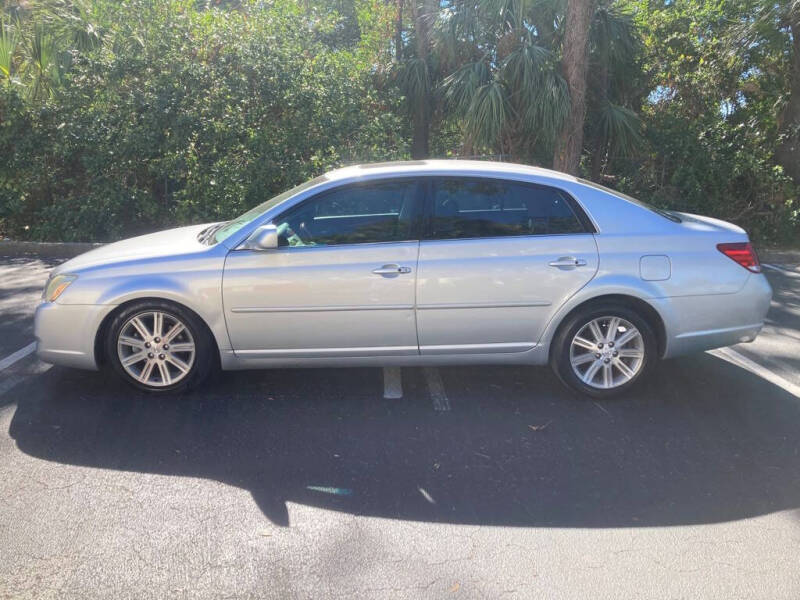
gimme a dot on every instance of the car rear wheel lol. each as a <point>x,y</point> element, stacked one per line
<point>159,347</point>
<point>604,350</point>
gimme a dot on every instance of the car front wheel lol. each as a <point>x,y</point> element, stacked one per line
<point>159,347</point>
<point>604,350</point>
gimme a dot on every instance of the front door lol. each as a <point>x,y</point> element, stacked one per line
<point>342,283</point>
<point>499,258</point>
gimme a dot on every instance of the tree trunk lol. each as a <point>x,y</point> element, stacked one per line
<point>574,64</point>
<point>787,153</point>
<point>601,148</point>
<point>398,33</point>
<point>467,149</point>
<point>424,14</point>
<point>420,130</point>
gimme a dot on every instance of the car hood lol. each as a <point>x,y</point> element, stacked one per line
<point>171,242</point>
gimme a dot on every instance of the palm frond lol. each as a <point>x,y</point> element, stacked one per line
<point>547,107</point>
<point>613,34</point>
<point>86,35</point>
<point>42,64</point>
<point>459,88</point>
<point>622,128</point>
<point>524,69</point>
<point>503,10</point>
<point>8,45</point>
<point>413,78</point>
<point>793,12</point>
<point>487,114</point>
<point>460,20</point>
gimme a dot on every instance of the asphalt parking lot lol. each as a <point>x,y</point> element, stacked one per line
<point>487,482</point>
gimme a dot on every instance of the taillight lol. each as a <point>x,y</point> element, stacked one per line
<point>742,253</point>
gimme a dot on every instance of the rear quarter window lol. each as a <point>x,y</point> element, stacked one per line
<point>659,211</point>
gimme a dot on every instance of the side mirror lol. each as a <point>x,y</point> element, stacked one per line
<point>263,238</point>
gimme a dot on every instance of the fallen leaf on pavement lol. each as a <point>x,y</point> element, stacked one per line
<point>539,427</point>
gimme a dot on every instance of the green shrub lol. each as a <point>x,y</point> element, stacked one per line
<point>193,116</point>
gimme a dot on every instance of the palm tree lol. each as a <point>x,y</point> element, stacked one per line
<point>505,85</point>
<point>612,127</point>
<point>416,73</point>
<point>783,18</point>
<point>37,48</point>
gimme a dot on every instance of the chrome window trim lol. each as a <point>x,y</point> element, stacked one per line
<point>577,210</point>
<point>237,239</point>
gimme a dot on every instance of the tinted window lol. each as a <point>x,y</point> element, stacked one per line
<point>379,212</point>
<point>468,208</point>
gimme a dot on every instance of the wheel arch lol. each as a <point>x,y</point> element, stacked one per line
<point>646,310</point>
<point>99,340</point>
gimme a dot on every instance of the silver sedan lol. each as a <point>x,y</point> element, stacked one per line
<point>409,264</point>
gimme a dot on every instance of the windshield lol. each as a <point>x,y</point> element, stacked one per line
<point>226,230</point>
<point>659,211</point>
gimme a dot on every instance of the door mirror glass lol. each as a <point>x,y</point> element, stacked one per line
<point>263,238</point>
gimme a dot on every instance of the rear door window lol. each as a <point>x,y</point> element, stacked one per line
<point>477,208</point>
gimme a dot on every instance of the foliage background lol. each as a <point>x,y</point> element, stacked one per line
<point>120,117</point>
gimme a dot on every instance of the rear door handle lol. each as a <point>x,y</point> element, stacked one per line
<point>568,261</point>
<point>391,270</point>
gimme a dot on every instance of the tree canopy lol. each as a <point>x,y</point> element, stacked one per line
<point>122,116</point>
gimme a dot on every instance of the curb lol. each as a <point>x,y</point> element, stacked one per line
<point>45,249</point>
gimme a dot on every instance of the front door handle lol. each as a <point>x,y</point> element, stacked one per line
<point>391,270</point>
<point>568,261</point>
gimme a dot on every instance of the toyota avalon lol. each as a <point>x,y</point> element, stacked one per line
<point>411,264</point>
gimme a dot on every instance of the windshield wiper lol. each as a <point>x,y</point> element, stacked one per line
<point>668,214</point>
<point>208,233</point>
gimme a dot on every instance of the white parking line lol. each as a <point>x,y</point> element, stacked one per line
<point>781,270</point>
<point>740,360</point>
<point>18,355</point>
<point>392,383</point>
<point>436,389</point>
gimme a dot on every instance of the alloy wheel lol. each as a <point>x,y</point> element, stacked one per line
<point>607,352</point>
<point>156,348</point>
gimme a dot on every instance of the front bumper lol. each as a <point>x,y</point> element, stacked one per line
<point>65,333</point>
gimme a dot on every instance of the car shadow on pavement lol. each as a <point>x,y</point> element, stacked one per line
<point>704,441</point>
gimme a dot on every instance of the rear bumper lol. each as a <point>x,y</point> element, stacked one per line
<point>65,333</point>
<point>701,323</point>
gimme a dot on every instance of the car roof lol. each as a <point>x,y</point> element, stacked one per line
<point>433,167</point>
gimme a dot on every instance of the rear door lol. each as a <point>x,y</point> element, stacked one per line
<point>498,259</point>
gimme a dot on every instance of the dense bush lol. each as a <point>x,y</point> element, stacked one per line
<point>185,115</point>
<point>718,74</point>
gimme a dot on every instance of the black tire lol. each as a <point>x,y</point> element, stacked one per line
<point>560,352</point>
<point>203,365</point>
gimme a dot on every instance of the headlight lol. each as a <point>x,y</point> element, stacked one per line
<point>56,286</point>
